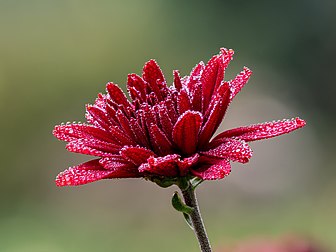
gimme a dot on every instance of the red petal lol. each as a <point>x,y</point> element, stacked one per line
<point>177,80</point>
<point>93,147</point>
<point>152,74</point>
<point>186,129</point>
<point>120,137</point>
<point>159,140</point>
<point>134,94</point>
<point>149,117</point>
<point>239,82</point>
<point>185,164</point>
<point>139,133</point>
<point>136,155</point>
<point>120,167</point>
<point>162,166</point>
<point>97,116</point>
<point>232,149</point>
<point>117,95</point>
<point>71,132</point>
<point>183,102</point>
<point>213,74</point>
<point>171,110</point>
<point>197,98</point>
<point>166,123</point>
<point>100,100</point>
<point>138,84</point>
<point>111,113</point>
<point>195,76</point>
<point>218,170</point>
<point>82,174</point>
<point>125,124</point>
<point>215,118</point>
<point>262,131</point>
<point>208,79</point>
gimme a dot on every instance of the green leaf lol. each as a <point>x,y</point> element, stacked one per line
<point>179,205</point>
<point>188,220</point>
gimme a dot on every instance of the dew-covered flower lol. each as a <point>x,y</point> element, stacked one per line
<point>165,132</point>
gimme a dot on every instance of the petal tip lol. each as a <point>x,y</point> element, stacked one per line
<point>300,122</point>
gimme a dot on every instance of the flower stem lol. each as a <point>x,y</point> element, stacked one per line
<point>196,219</point>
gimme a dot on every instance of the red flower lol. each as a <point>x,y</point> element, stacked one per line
<point>165,132</point>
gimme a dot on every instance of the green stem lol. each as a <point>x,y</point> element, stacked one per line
<point>196,218</point>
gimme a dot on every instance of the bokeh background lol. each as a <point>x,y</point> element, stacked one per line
<point>55,56</point>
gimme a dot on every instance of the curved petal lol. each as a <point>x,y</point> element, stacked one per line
<point>162,166</point>
<point>195,76</point>
<point>153,75</point>
<point>136,82</point>
<point>82,174</point>
<point>177,80</point>
<point>93,147</point>
<point>117,95</point>
<point>185,164</point>
<point>232,149</point>
<point>261,131</point>
<point>186,129</point>
<point>215,118</point>
<point>136,155</point>
<point>160,142</point>
<point>71,132</point>
<point>212,171</point>
<point>213,74</point>
<point>97,116</point>
<point>239,82</point>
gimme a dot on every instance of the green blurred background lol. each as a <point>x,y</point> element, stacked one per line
<point>55,56</point>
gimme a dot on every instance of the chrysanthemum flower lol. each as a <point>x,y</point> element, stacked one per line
<point>165,132</point>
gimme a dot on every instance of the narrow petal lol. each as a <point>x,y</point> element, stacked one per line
<point>125,124</point>
<point>213,74</point>
<point>152,74</point>
<point>82,174</point>
<point>171,110</point>
<point>136,82</point>
<point>99,116</point>
<point>162,166</point>
<point>166,123</point>
<point>100,145</point>
<point>177,80</point>
<point>136,155</point>
<point>211,171</point>
<point>120,167</point>
<point>208,79</point>
<point>197,98</point>
<point>183,102</point>
<point>195,76</point>
<point>231,149</point>
<point>139,133</point>
<point>117,95</point>
<point>186,129</point>
<point>93,147</point>
<point>215,118</point>
<point>111,113</point>
<point>160,141</point>
<point>239,82</point>
<point>120,137</point>
<point>70,132</point>
<point>262,131</point>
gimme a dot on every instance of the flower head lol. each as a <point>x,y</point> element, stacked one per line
<point>165,132</point>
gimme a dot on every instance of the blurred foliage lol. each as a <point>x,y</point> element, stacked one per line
<point>55,56</point>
